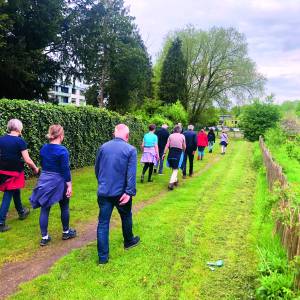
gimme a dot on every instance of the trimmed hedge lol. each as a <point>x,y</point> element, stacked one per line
<point>86,128</point>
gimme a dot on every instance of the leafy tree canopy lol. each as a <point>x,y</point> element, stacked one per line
<point>218,68</point>
<point>28,31</point>
<point>172,84</point>
<point>257,118</point>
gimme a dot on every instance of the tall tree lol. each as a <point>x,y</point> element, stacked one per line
<point>218,68</point>
<point>28,33</point>
<point>172,86</point>
<point>103,45</point>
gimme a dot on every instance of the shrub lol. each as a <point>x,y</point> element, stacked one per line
<point>86,128</point>
<point>174,112</point>
<point>257,118</point>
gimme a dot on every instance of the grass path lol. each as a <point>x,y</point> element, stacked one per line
<point>83,207</point>
<point>208,218</point>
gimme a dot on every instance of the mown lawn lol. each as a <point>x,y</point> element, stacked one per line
<point>22,241</point>
<point>208,218</point>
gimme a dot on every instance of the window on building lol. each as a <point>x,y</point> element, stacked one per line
<point>74,91</point>
<point>65,99</point>
<point>56,88</point>
<point>64,89</point>
<point>73,100</point>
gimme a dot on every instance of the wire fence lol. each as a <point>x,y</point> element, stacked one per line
<point>287,229</point>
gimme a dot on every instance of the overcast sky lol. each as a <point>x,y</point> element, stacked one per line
<point>272,28</point>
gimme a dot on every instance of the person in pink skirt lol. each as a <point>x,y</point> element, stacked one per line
<point>150,155</point>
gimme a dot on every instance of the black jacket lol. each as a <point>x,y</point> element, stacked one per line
<point>211,137</point>
<point>163,135</point>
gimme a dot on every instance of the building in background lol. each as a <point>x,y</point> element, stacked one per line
<point>68,94</point>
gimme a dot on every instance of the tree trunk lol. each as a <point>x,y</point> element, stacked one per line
<point>100,97</point>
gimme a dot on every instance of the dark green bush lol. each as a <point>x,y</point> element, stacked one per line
<point>86,128</point>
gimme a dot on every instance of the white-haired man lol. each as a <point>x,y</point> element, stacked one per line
<point>115,169</point>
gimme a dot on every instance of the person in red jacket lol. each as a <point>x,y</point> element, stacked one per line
<point>202,142</point>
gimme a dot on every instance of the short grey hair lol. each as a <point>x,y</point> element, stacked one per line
<point>165,126</point>
<point>191,127</point>
<point>14,125</point>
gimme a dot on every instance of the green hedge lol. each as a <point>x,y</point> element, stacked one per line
<point>86,128</point>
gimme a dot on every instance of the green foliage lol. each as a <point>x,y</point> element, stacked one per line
<point>86,128</point>
<point>218,67</point>
<point>175,112</point>
<point>104,44</point>
<point>257,118</point>
<point>27,28</point>
<point>172,85</point>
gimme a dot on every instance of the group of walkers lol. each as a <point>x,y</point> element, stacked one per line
<point>115,170</point>
<point>180,146</point>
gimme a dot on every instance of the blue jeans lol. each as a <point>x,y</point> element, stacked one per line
<point>106,205</point>
<point>7,196</point>
<point>64,215</point>
<point>210,145</point>
<point>161,162</point>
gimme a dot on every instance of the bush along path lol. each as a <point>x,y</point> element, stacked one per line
<point>28,266</point>
<point>208,218</point>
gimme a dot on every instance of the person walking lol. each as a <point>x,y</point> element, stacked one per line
<point>211,139</point>
<point>176,146</point>
<point>115,168</point>
<point>54,184</point>
<point>150,155</point>
<point>13,154</point>
<point>202,142</point>
<point>191,147</point>
<point>163,135</point>
<point>224,141</point>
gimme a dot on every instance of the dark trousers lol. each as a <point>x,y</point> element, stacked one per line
<point>64,215</point>
<point>7,196</point>
<point>150,166</point>
<point>106,205</point>
<point>161,162</point>
<point>189,155</point>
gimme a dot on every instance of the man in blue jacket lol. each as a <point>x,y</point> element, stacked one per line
<point>115,169</point>
<point>191,147</point>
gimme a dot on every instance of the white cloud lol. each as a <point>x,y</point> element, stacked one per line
<point>272,28</point>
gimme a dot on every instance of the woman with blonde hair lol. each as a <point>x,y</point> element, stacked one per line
<point>13,154</point>
<point>54,184</point>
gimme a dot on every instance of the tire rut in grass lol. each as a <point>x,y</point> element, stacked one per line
<point>13,274</point>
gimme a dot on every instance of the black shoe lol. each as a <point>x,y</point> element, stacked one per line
<point>191,175</point>
<point>103,262</point>
<point>45,242</point>
<point>150,180</point>
<point>183,176</point>
<point>176,183</point>
<point>155,171</point>
<point>135,241</point>
<point>210,151</point>
<point>171,186</point>
<point>4,228</point>
<point>142,179</point>
<point>69,235</point>
<point>24,214</point>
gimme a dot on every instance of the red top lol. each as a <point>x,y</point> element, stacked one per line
<point>202,139</point>
<point>11,180</point>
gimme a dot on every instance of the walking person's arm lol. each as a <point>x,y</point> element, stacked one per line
<point>166,148</point>
<point>97,163</point>
<point>29,161</point>
<point>131,178</point>
<point>65,167</point>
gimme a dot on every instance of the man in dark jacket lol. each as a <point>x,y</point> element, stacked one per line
<point>163,135</point>
<point>191,147</point>
<point>115,169</point>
